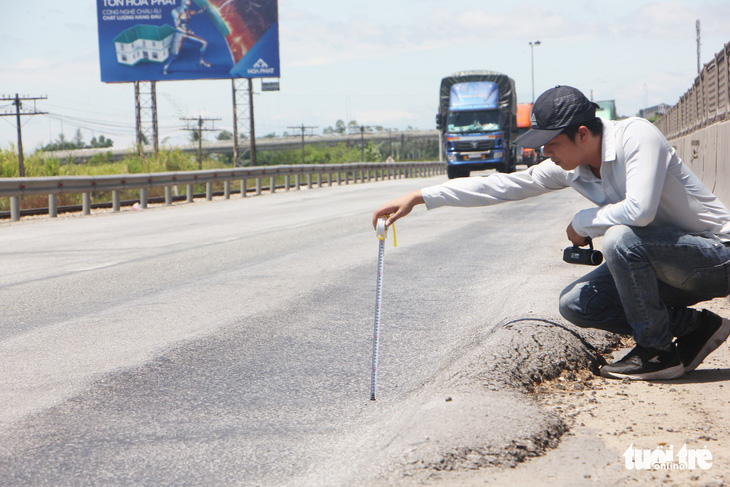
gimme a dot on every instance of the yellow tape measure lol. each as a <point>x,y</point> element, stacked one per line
<point>382,230</point>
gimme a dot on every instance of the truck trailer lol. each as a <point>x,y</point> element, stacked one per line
<point>529,156</point>
<point>477,120</point>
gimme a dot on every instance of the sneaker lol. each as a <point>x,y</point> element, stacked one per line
<point>646,364</point>
<point>696,346</point>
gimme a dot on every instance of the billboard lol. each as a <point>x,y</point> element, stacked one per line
<point>159,40</point>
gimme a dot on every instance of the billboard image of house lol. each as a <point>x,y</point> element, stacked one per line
<point>144,43</point>
<point>157,40</point>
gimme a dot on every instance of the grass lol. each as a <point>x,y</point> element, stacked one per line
<point>37,166</point>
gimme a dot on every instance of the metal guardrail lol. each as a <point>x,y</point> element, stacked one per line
<point>705,103</point>
<point>15,188</point>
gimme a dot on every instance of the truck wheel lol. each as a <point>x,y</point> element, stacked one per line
<point>507,166</point>
<point>454,172</point>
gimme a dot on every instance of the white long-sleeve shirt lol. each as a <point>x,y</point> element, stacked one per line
<point>643,182</point>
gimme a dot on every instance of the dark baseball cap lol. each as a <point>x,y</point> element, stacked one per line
<point>552,112</point>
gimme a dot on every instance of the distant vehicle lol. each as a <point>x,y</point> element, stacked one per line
<point>529,156</point>
<point>477,120</point>
<point>607,109</point>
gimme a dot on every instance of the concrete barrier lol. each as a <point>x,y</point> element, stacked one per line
<point>707,153</point>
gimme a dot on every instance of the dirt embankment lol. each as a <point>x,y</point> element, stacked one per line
<point>525,408</point>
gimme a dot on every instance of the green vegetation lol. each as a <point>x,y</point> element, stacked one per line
<point>353,128</point>
<point>400,150</point>
<point>38,166</point>
<point>62,143</point>
<point>224,135</point>
<point>655,118</point>
<point>176,160</point>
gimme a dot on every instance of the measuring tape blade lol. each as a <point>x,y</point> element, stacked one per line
<point>376,328</point>
<point>382,232</point>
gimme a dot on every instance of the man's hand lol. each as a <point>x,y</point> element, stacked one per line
<point>397,208</point>
<point>576,239</point>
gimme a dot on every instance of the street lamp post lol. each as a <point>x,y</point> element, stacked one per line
<point>532,63</point>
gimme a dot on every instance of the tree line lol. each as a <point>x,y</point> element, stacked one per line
<point>62,143</point>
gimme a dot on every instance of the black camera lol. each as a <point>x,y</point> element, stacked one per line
<point>577,255</point>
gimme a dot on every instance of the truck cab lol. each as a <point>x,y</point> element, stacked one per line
<point>477,123</point>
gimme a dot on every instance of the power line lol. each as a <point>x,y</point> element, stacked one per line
<point>20,111</point>
<point>76,108</point>
<point>71,120</point>
<point>94,126</point>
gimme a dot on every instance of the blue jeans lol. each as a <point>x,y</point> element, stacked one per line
<point>650,277</point>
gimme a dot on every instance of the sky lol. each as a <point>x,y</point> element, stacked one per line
<point>376,62</point>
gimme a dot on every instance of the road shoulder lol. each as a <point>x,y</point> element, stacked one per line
<point>481,413</point>
<point>607,421</point>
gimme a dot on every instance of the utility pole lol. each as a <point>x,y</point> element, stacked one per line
<point>699,68</point>
<point>532,64</point>
<point>390,143</point>
<point>17,101</point>
<point>362,141</point>
<point>199,131</point>
<point>303,128</point>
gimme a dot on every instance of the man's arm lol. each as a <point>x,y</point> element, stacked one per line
<point>398,208</point>
<point>465,192</point>
<point>497,188</point>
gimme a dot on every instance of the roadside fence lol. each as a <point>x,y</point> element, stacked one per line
<point>705,103</point>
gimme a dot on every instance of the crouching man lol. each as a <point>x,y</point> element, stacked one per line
<point>666,237</point>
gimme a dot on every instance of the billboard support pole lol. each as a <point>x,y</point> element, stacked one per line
<point>252,140</point>
<point>235,124</point>
<point>138,118</point>
<point>243,113</point>
<point>155,133</point>
<point>240,119</point>
<point>145,104</point>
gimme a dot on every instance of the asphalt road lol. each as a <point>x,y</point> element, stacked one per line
<point>229,342</point>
